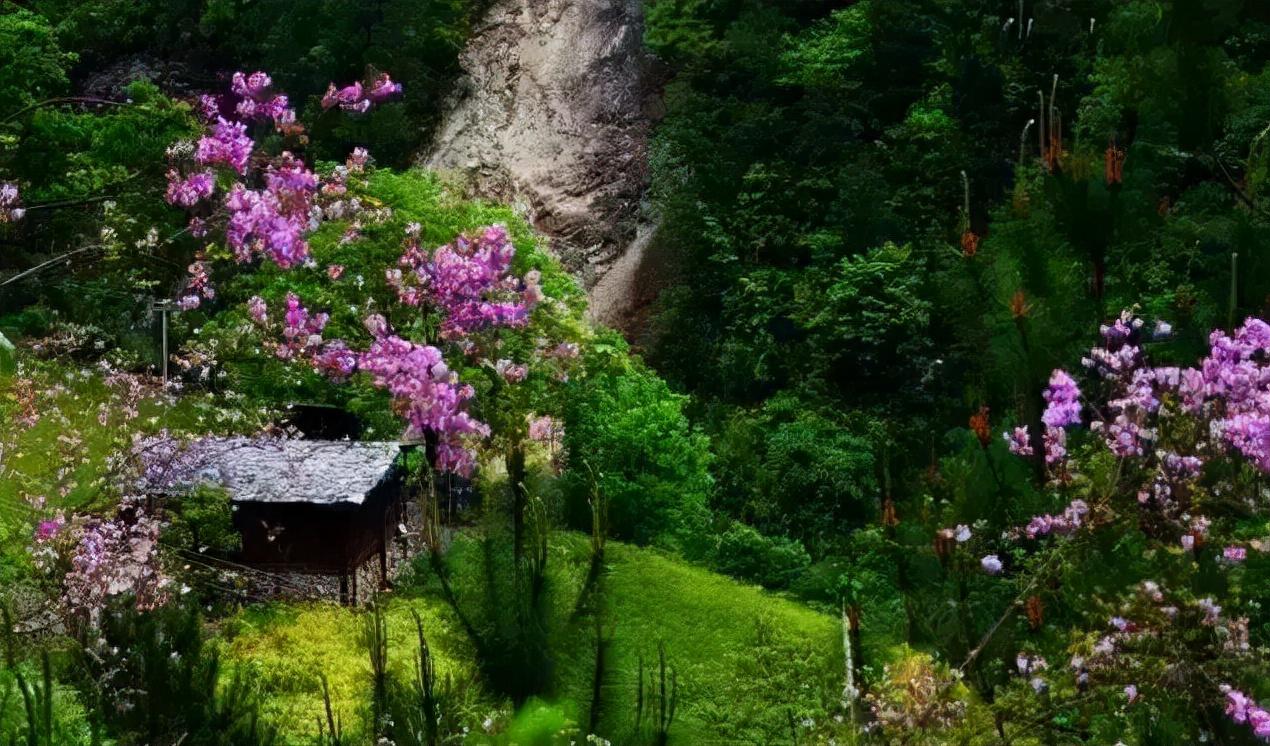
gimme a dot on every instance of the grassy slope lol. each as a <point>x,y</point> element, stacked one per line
<point>285,647</point>
<point>745,659</point>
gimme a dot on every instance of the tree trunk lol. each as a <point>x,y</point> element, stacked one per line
<point>516,476</point>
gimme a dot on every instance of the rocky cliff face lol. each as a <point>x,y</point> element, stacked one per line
<point>553,113</point>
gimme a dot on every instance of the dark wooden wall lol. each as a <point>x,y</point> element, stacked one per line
<point>320,539</point>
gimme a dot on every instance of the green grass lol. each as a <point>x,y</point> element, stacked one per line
<point>64,456</point>
<point>284,648</point>
<point>746,660</point>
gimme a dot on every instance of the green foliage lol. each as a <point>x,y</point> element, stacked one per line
<point>38,710</point>
<point>788,469</point>
<point>32,64</point>
<point>747,554</point>
<point>540,724</point>
<point>161,682</point>
<point>633,442</point>
<point>202,520</point>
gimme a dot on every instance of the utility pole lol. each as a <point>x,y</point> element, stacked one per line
<point>164,307</point>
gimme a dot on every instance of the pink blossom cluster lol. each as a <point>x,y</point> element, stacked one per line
<point>258,100</point>
<point>510,371</point>
<point>301,330</point>
<point>428,394</point>
<point>228,145</point>
<point>357,98</point>
<point>189,190</point>
<point>11,210</point>
<point>116,557</point>
<point>469,281</point>
<point>1241,709</point>
<point>273,221</point>
<point>546,430</point>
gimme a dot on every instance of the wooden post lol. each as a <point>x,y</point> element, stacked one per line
<point>383,557</point>
<point>344,589</point>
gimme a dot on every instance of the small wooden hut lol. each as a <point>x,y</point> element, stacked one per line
<point>317,507</point>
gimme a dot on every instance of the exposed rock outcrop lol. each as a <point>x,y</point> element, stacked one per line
<point>553,113</point>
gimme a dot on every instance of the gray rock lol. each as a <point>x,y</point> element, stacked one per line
<point>553,114</point>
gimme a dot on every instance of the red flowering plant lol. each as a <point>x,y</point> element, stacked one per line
<point>1138,585</point>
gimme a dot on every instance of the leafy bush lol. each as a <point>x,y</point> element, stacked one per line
<point>772,561</point>
<point>157,680</point>
<point>627,436</point>
<point>202,520</point>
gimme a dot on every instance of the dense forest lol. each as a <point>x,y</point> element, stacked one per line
<point>946,421</point>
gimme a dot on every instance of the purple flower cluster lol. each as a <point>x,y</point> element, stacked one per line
<point>114,558</point>
<point>1235,372</point>
<point>1067,522</point>
<point>469,282</point>
<point>228,145</point>
<point>190,190</point>
<point>1174,474</point>
<point>429,394</point>
<point>1241,709</point>
<point>1062,398</point>
<point>11,210</point>
<point>355,98</point>
<point>258,101</point>
<point>161,461</point>
<point>1019,441</point>
<point>273,221</point>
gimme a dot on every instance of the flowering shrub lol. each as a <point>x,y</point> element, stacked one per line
<point>1169,463</point>
<point>115,557</point>
<point>915,695</point>
<point>274,219</point>
<point>11,210</point>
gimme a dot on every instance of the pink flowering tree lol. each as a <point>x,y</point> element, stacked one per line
<point>1131,601</point>
<point>262,205</point>
<point>455,320</point>
<point>460,336</point>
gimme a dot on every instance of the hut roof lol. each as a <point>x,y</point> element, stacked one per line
<point>320,472</point>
